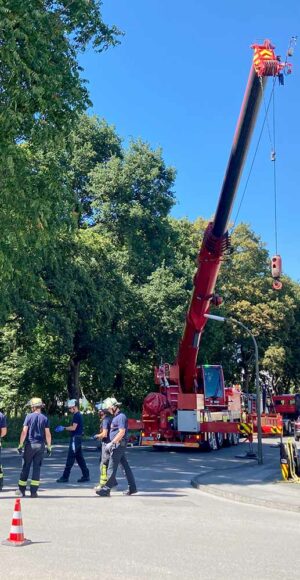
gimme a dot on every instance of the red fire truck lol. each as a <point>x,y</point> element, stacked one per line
<point>192,406</point>
<point>289,408</point>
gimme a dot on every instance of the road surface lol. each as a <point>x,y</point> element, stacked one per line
<point>168,530</point>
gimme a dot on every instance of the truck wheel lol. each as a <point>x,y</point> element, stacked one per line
<point>210,444</point>
<point>235,438</point>
<point>220,440</point>
<point>229,440</point>
<point>289,430</point>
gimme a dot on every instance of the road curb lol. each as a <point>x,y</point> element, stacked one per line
<point>233,496</point>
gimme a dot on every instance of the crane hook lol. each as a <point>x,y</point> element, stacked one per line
<point>276,271</point>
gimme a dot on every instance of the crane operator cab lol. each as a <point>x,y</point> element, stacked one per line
<point>210,383</point>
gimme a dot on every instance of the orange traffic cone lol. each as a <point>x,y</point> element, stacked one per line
<point>16,536</point>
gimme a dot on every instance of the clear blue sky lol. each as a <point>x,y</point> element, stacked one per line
<point>177,81</point>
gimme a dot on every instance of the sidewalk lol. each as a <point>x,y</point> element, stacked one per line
<point>247,482</point>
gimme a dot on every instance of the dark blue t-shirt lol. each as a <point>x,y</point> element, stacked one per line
<point>78,419</point>
<point>36,423</point>
<point>119,421</point>
<point>105,424</point>
<point>2,421</point>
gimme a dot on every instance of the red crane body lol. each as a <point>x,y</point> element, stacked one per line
<point>193,402</point>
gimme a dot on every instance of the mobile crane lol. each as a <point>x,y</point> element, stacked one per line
<point>192,406</point>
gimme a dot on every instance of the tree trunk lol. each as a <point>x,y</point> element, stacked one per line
<point>73,378</point>
<point>247,377</point>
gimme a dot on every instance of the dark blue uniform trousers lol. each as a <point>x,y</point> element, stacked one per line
<point>33,455</point>
<point>118,457</point>
<point>75,452</point>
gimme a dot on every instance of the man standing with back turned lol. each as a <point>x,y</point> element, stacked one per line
<point>117,449</point>
<point>34,434</point>
<point>75,449</point>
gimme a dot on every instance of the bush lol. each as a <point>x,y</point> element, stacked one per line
<point>15,424</point>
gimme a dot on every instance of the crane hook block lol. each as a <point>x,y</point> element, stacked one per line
<point>277,285</point>
<point>276,266</point>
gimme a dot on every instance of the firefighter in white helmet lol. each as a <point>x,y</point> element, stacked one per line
<point>103,436</point>
<point>34,435</point>
<point>75,449</point>
<point>117,449</point>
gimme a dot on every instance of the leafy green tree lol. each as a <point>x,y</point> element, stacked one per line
<point>93,142</point>
<point>132,196</point>
<point>41,96</point>
<point>41,87</point>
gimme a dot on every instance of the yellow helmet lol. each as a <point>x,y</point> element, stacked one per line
<point>36,402</point>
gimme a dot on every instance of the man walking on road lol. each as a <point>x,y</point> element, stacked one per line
<point>34,434</point>
<point>75,449</point>
<point>117,449</point>
<point>3,431</point>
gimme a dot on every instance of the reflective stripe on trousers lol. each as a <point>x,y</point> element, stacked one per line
<point>33,455</point>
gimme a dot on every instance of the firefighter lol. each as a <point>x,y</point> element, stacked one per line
<point>75,449</point>
<point>3,431</point>
<point>33,436</point>
<point>117,449</point>
<point>103,436</point>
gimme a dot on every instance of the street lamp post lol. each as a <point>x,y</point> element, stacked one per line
<point>258,397</point>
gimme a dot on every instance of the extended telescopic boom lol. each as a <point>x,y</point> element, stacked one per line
<point>216,240</point>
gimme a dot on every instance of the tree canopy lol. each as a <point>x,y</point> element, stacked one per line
<point>96,274</point>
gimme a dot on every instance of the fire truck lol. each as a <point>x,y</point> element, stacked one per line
<point>289,408</point>
<point>192,407</point>
<point>271,420</point>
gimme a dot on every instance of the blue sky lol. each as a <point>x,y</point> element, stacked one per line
<point>177,81</point>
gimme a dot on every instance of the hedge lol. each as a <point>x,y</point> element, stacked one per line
<point>15,424</point>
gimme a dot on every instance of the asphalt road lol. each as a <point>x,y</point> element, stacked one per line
<point>168,530</point>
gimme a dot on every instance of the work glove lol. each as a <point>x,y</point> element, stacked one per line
<point>59,429</point>
<point>20,449</point>
<point>49,450</point>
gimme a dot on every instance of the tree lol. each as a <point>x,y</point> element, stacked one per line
<point>93,142</point>
<point>41,96</point>
<point>41,87</point>
<point>132,196</point>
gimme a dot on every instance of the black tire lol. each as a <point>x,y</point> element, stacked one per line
<point>210,444</point>
<point>220,440</point>
<point>228,441</point>
<point>289,429</point>
<point>235,438</point>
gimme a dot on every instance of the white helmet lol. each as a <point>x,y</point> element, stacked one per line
<point>71,403</point>
<point>110,402</point>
